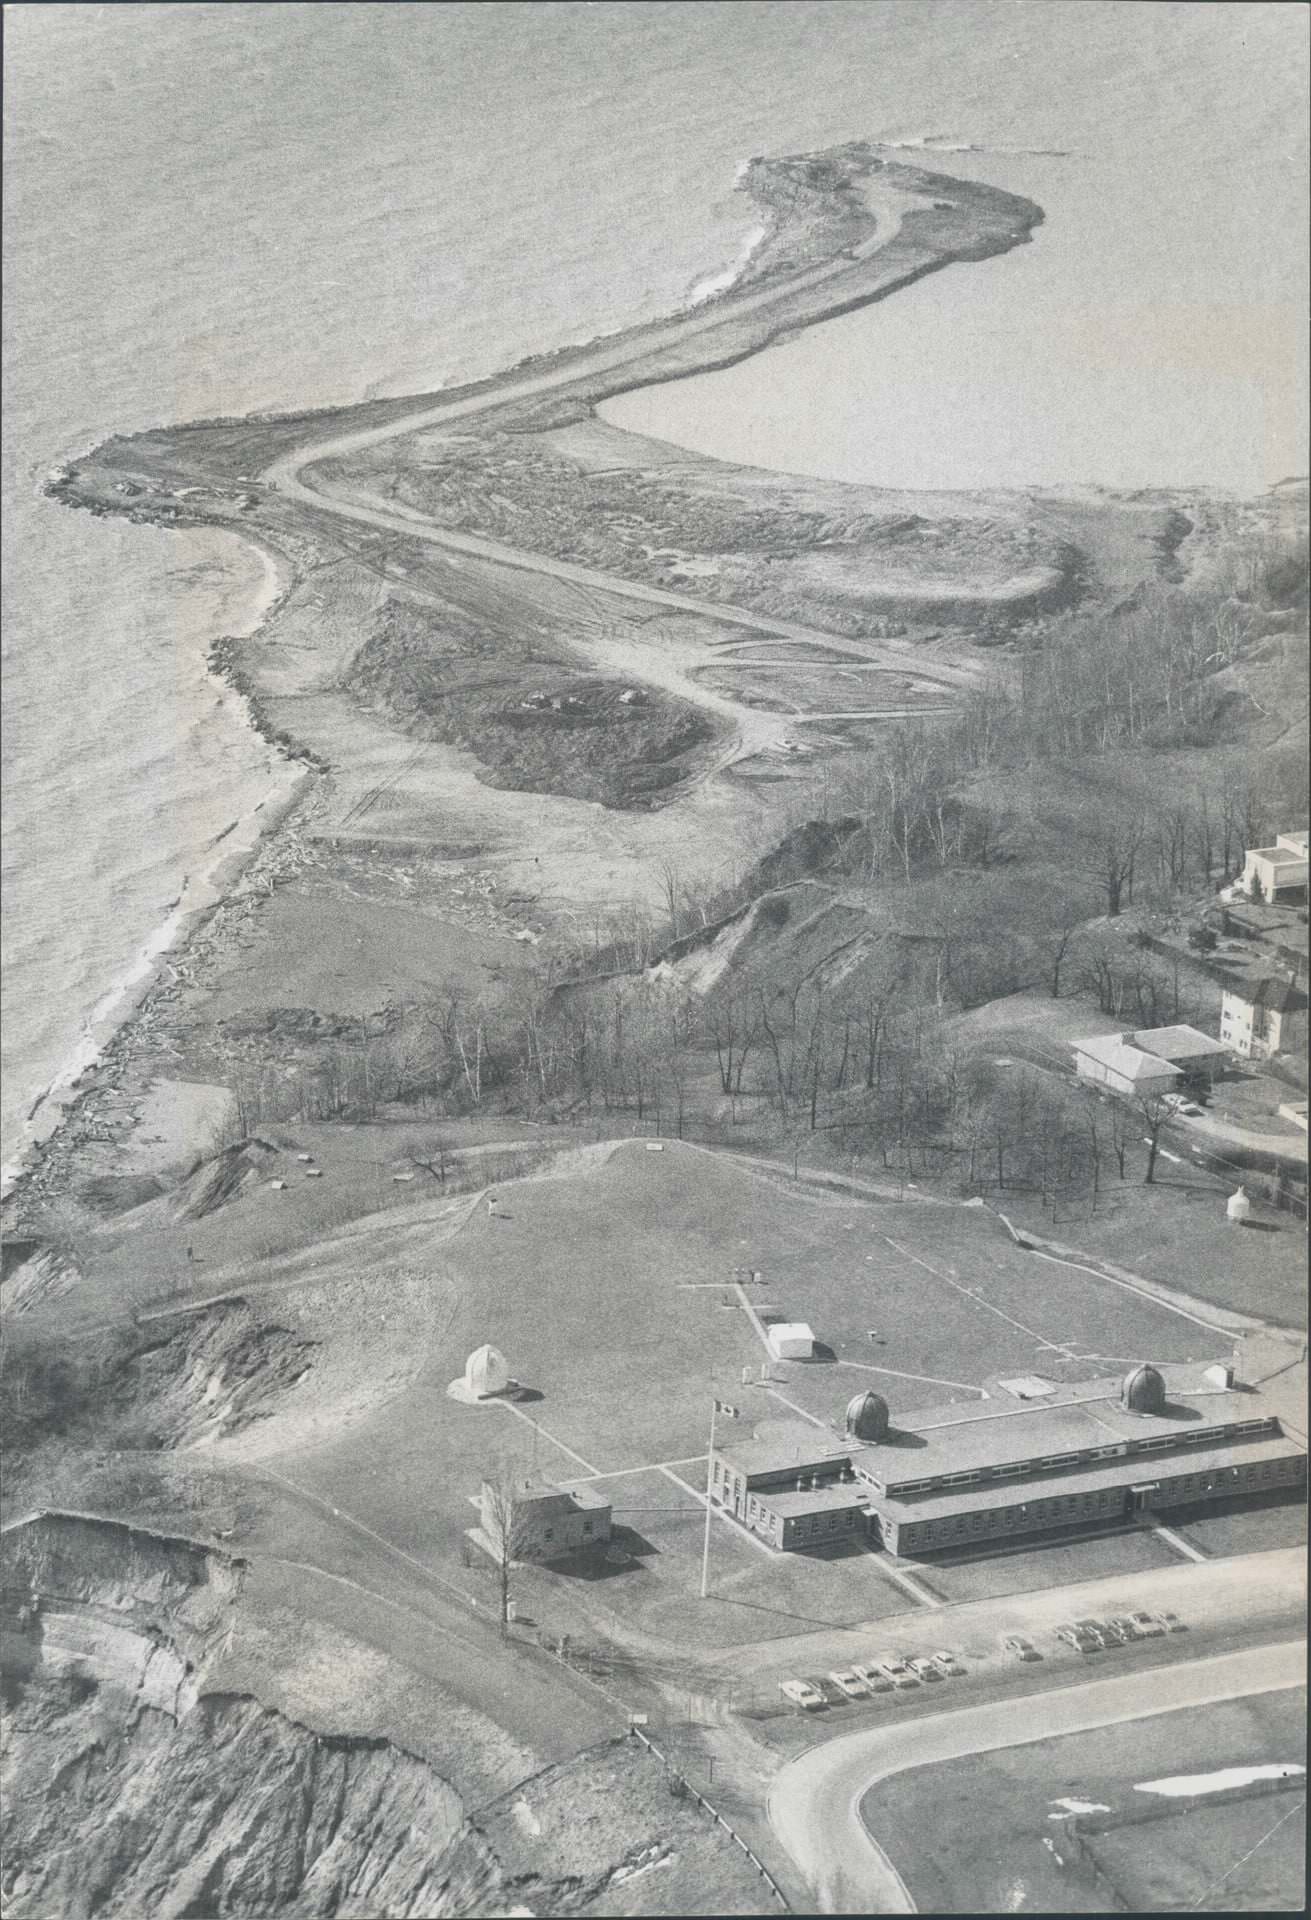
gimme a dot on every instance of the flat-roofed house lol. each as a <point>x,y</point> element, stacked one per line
<point>1112,1060</point>
<point>1269,872</point>
<point>1196,1054</point>
<point>544,1521</point>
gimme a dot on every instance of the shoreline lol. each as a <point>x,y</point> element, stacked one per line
<point>823,250</point>
<point>114,1012</point>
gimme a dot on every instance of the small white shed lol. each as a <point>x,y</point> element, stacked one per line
<point>791,1340</point>
<point>1238,1207</point>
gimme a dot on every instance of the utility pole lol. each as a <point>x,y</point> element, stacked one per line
<point>710,1467</point>
<point>716,1407</point>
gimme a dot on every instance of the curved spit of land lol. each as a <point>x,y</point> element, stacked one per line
<point>742,321</point>
<point>845,228</point>
<point>326,494</point>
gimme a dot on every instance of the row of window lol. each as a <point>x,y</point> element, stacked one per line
<point>1157,1444</point>
<point>956,1526</point>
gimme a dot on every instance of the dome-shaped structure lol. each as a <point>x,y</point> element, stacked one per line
<point>485,1372</point>
<point>1143,1391</point>
<point>867,1417</point>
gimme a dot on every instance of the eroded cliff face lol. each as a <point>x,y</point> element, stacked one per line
<point>136,1782</point>
<point>132,1789</point>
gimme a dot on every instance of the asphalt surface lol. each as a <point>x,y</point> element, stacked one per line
<point>814,1802</point>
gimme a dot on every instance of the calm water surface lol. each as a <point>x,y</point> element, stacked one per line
<point>213,209</point>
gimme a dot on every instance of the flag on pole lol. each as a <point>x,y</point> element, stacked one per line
<point>722,1406</point>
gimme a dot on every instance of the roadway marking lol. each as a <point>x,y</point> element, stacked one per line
<point>1177,1541</point>
<point>730,1520</point>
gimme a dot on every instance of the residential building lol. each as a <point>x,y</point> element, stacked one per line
<point>1280,870</point>
<point>1112,1060</point>
<point>545,1521</point>
<point>1260,1017</point>
<point>1197,1056</point>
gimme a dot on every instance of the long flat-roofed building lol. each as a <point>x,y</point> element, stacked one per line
<point>1032,1456</point>
<point>1093,1451</point>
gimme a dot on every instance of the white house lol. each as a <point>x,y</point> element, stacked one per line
<point>1270,871</point>
<point>1111,1060</point>
<point>1255,1018</point>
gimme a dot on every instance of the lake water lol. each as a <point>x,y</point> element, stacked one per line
<point>212,209</point>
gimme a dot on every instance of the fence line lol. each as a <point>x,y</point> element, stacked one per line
<point>716,1815</point>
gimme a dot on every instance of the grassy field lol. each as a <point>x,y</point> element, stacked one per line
<point>609,1286</point>
<point>1002,1807</point>
<point>1175,1233</point>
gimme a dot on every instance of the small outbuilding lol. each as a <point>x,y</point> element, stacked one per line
<point>791,1340</point>
<point>1238,1207</point>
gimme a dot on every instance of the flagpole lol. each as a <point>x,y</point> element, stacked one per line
<point>710,1467</point>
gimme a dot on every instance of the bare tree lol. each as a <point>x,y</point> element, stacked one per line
<point>1153,1110</point>
<point>505,1528</point>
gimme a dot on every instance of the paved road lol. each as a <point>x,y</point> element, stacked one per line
<point>815,1801</point>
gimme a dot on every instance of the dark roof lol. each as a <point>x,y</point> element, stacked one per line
<point>1272,991</point>
<point>1132,1471</point>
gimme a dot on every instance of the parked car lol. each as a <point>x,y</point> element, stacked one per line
<point>1080,1639</point>
<point>1112,1633</point>
<point>849,1683</point>
<point>875,1679</point>
<point>1180,1103</point>
<point>1172,1623</point>
<point>948,1664</point>
<point>925,1669</point>
<point>898,1672</point>
<point>1021,1648</point>
<point>1099,1630</point>
<point>1147,1624</point>
<point>801,1694</point>
<point>1127,1626</point>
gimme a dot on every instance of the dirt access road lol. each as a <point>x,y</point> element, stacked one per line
<point>755,731</point>
<point>815,1802</point>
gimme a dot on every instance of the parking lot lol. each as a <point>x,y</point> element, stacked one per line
<point>884,1678</point>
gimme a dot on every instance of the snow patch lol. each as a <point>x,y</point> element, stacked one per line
<point>1222,1781</point>
<point>1069,1807</point>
